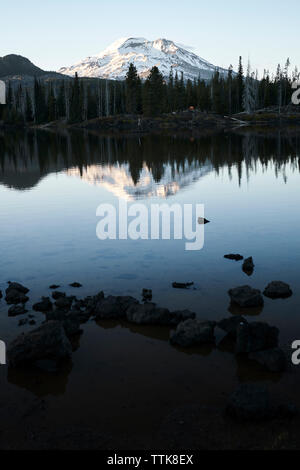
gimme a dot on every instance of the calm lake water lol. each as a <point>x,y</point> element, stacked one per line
<point>50,187</point>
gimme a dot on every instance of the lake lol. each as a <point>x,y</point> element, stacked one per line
<point>50,187</point>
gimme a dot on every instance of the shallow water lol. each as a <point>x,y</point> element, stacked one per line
<point>50,188</point>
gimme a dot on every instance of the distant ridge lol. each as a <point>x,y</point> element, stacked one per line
<point>13,64</point>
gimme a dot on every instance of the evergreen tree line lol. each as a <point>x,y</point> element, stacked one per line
<point>77,100</point>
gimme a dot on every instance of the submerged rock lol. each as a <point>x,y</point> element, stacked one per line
<point>54,286</point>
<point>278,290</point>
<point>150,314</point>
<point>235,257</point>
<point>255,336</point>
<point>1,294</point>
<point>16,310</point>
<point>230,324</point>
<point>48,341</point>
<point>182,285</point>
<point>250,403</point>
<point>45,305</point>
<point>248,266</point>
<point>272,359</point>
<point>246,296</point>
<point>76,285</point>
<point>193,332</point>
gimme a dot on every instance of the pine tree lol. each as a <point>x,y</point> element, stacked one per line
<point>133,91</point>
<point>28,108</point>
<point>154,99</point>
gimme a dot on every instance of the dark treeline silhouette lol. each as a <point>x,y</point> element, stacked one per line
<point>36,154</point>
<point>83,99</point>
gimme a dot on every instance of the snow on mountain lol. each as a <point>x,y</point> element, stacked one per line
<point>113,62</point>
<point>118,180</point>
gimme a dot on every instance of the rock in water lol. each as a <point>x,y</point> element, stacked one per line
<point>44,306</point>
<point>246,296</point>
<point>272,359</point>
<point>256,336</point>
<point>182,285</point>
<point>248,266</point>
<point>193,333</point>
<point>14,296</point>
<point>16,310</point>
<point>278,290</point>
<point>113,307</point>
<point>150,314</point>
<point>203,221</point>
<point>1,294</point>
<point>64,303</point>
<point>230,324</point>
<point>76,285</point>
<point>48,341</point>
<point>18,287</point>
<point>235,257</point>
<point>54,286</point>
<point>249,403</point>
<point>58,295</point>
<point>147,294</point>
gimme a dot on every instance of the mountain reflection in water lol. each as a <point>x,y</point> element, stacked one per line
<point>140,167</point>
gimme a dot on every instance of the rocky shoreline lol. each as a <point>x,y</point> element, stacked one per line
<point>64,315</point>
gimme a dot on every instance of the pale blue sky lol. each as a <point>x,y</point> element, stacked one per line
<point>62,32</point>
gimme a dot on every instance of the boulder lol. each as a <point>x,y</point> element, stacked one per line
<point>255,336</point>
<point>249,403</point>
<point>18,287</point>
<point>16,310</point>
<point>278,290</point>
<point>64,303</point>
<point>113,307</point>
<point>272,359</point>
<point>150,314</point>
<point>248,266</point>
<point>147,294</point>
<point>14,296</point>
<point>58,295</point>
<point>230,324</point>
<point>44,306</point>
<point>54,286</point>
<point>193,333</point>
<point>48,341</point>
<point>235,257</point>
<point>246,297</point>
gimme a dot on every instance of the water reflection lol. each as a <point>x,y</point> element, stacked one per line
<point>141,167</point>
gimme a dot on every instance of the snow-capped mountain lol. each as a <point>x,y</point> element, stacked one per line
<point>113,62</point>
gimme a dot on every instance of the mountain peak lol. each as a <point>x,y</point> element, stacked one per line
<point>114,61</point>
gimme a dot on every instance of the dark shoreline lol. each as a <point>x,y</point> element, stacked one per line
<point>186,121</point>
